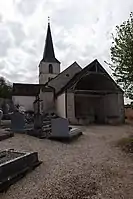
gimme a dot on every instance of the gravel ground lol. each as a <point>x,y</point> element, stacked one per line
<point>90,167</point>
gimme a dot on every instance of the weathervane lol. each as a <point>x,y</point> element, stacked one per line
<point>48,20</point>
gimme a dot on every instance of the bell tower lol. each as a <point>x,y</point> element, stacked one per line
<point>49,66</point>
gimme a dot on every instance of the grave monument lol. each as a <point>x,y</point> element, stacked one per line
<point>14,165</point>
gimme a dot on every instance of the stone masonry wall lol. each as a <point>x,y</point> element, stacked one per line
<point>71,108</point>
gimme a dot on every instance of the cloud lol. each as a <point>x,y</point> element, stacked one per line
<point>16,29</point>
<point>5,41</point>
<point>26,7</point>
<point>81,32</point>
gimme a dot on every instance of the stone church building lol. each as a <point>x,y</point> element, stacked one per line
<point>84,96</point>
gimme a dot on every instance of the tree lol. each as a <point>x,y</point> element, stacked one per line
<point>5,89</point>
<point>122,56</point>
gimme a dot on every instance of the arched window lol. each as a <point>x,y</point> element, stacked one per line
<point>50,68</point>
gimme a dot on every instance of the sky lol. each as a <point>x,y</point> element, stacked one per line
<point>81,30</point>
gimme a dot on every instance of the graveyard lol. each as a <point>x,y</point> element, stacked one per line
<point>50,127</point>
<point>44,156</point>
<point>15,164</point>
<point>91,166</point>
<point>52,123</point>
<point>59,137</point>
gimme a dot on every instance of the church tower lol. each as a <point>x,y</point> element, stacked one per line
<point>49,66</point>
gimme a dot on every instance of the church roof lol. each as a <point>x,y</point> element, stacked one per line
<point>49,55</point>
<point>94,66</point>
<point>64,77</point>
<point>27,89</point>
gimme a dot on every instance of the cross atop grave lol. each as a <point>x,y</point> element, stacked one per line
<point>37,116</point>
<point>37,103</point>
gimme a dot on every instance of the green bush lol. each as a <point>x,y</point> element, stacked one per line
<point>5,89</point>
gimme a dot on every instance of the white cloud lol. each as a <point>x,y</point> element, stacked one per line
<point>81,31</point>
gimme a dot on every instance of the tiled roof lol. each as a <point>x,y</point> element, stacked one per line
<point>64,77</point>
<point>95,65</point>
<point>27,89</point>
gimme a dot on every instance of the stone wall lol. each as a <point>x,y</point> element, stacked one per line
<point>114,108</point>
<point>110,108</point>
<point>61,105</point>
<point>44,74</point>
<point>71,108</point>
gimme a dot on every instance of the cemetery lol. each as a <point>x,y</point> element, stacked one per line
<point>48,126</point>
<point>43,120</point>
<point>49,111</point>
<point>56,129</point>
<point>32,140</point>
<point>14,165</point>
<point>90,165</point>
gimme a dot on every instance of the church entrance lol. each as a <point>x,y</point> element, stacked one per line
<point>95,99</point>
<point>90,108</point>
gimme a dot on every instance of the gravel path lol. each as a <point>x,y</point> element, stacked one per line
<point>90,167</point>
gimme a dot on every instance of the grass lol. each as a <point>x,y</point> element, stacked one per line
<point>126,144</point>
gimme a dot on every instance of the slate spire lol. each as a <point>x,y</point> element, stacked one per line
<point>49,55</point>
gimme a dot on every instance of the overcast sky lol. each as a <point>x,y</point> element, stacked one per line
<point>81,32</point>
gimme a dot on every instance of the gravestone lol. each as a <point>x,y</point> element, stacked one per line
<point>61,130</point>
<point>17,122</point>
<point>60,127</point>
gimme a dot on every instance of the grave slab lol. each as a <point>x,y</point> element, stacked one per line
<point>14,165</point>
<point>61,130</point>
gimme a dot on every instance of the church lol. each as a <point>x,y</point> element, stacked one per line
<point>83,95</point>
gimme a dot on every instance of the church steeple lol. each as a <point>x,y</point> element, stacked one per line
<point>49,66</point>
<point>49,55</point>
